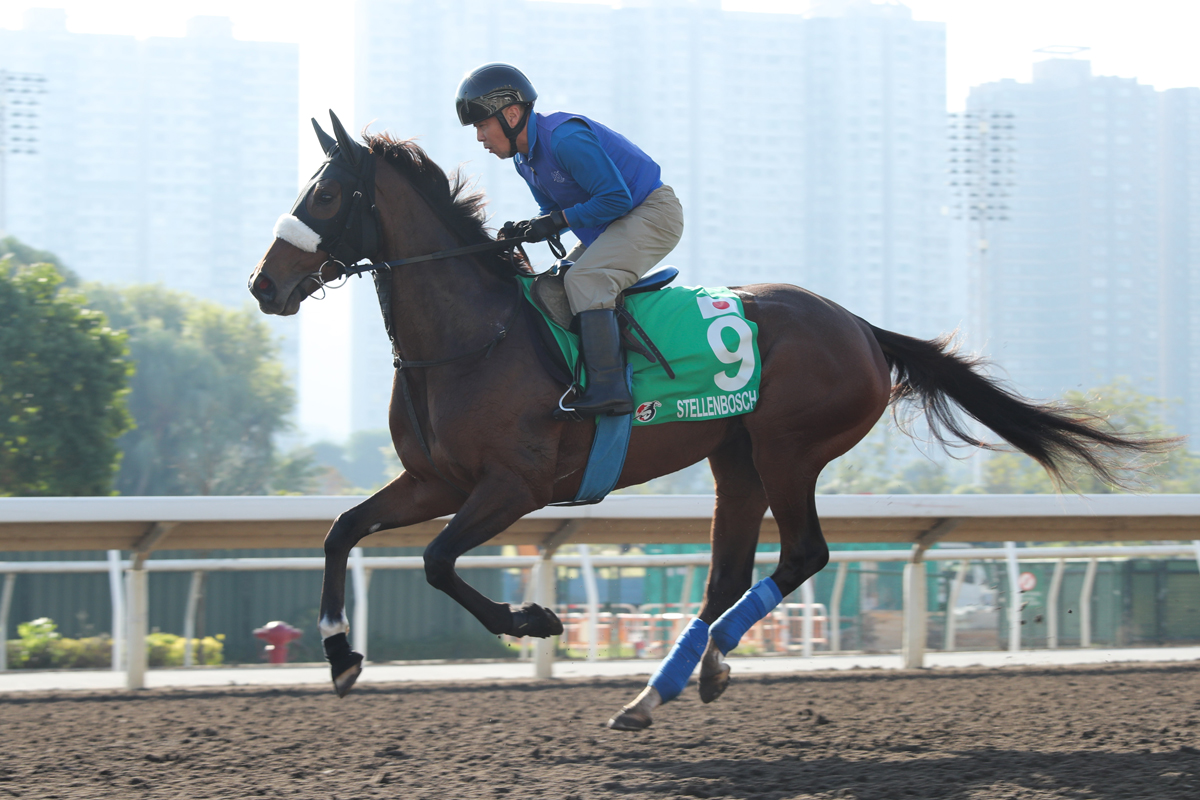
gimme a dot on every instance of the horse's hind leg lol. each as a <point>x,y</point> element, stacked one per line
<point>740,505</point>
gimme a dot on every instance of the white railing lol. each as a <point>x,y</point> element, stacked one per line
<point>129,596</point>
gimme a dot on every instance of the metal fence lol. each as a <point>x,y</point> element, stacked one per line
<point>797,627</point>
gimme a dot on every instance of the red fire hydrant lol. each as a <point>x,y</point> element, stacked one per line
<point>277,635</point>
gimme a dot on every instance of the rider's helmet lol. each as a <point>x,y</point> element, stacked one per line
<point>487,90</point>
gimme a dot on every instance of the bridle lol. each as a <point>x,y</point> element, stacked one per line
<point>359,233</point>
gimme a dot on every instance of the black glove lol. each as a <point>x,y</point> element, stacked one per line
<point>543,227</point>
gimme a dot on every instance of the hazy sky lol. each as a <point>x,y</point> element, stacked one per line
<point>1153,40</point>
<point>987,39</point>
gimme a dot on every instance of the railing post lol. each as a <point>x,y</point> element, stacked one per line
<point>116,590</point>
<point>10,581</point>
<point>807,596</point>
<point>137,626</point>
<point>593,601</point>
<point>960,575</point>
<point>835,607</point>
<point>546,580</point>
<point>1014,597</point>
<point>685,597</point>
<point>1085,604</point>
<point>195,590</point>
<point>138,594</point>
<point>1052,603</point>
<point>361,576</point>
<point>915,603</point>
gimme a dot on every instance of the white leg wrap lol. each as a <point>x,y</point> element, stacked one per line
<point>329,627</point>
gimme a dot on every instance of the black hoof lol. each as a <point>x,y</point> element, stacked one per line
<point>712,687</point>
<point>630,721</point>
<point>533,620</point>
<point>345,664</point>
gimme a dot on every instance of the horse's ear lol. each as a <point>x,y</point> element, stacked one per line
<point>348,145</point>
<point>327,141</point>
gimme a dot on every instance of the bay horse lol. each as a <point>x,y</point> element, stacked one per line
<point>471,421</point>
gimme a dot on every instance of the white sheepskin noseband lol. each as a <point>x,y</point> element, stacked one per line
<point>295,232</point>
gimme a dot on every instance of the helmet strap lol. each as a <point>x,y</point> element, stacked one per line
<point>512,132</point>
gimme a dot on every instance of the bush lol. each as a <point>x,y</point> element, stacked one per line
<point>40,646</point>
<point>166,650</point>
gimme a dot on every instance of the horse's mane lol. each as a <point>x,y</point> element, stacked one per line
<point>452,197</point>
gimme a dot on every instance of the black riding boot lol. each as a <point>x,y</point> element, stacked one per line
<point>607,392</point>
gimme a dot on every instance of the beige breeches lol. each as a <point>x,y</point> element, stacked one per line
<point>629,248</point>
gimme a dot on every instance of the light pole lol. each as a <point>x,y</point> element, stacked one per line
<point>980,174</point>
<point>19,101</point>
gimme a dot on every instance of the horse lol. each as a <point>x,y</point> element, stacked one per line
<point>470,414</point>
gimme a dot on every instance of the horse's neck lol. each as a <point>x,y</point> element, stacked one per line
<point>439,309</point>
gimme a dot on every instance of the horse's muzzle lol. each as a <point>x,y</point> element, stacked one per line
<point>263,289</point>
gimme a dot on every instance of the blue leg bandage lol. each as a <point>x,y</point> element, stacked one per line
<point>677,667</point>
<point>755,604</point>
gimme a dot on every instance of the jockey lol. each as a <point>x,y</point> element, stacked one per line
<point>593,180</point>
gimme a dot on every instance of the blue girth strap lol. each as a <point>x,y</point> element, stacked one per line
<point>607,457</point>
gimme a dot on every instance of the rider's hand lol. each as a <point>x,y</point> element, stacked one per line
<point>513,230</point>
<point>543,227</point>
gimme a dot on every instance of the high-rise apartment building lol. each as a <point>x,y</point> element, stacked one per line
<point>804,149</point>
<point>1179,203</point>
<point>158,160</point>
<point>1072,285</point>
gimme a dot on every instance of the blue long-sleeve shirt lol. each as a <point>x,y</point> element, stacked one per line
<point>577,150</point>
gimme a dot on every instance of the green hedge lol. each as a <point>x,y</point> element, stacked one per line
<point>41,647</point>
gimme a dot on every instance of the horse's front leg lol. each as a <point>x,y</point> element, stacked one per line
<point>492,507</point>
<point>404,501</point>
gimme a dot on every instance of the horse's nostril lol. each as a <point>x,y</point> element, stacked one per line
<point>263,289</point>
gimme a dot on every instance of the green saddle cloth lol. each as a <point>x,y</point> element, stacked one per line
<point>705,337</point>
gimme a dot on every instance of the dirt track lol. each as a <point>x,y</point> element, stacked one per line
<point>1111,732</point>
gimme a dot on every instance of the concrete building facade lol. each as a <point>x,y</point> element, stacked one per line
<point>1095,274</point>
<point>158,160</point>
<point>804,149</point>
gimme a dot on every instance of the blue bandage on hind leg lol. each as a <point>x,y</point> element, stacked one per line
<point>677,667</point>
<point>755,604</point>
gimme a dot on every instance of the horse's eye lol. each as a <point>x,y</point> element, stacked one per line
<point>325,197</point>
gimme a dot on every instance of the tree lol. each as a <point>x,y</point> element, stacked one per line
<point>209,396</point>
<point>64,377</point>
<point>23,255</point>
<point>1127,410</point>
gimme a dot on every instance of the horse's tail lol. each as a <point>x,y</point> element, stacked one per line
<point>931,375</point>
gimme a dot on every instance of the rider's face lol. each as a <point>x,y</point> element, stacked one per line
<point>491,136</point>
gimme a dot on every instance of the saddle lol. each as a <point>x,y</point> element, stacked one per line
<point>549,293</point>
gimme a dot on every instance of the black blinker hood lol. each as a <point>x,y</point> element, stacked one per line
<point>353,233</point>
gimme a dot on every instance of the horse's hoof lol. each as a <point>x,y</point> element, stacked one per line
<point>630,720</point>
<point>533,620</point>
<point>344,663</point>
<point>712,686</point>
<point>342,684</point>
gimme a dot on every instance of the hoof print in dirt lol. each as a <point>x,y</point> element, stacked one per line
<point>533,620</point>
<point>629,721</point>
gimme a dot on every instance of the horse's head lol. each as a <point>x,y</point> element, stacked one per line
<point>332,224</point>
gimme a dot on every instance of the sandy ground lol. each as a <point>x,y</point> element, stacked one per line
<point>1117,731</point>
